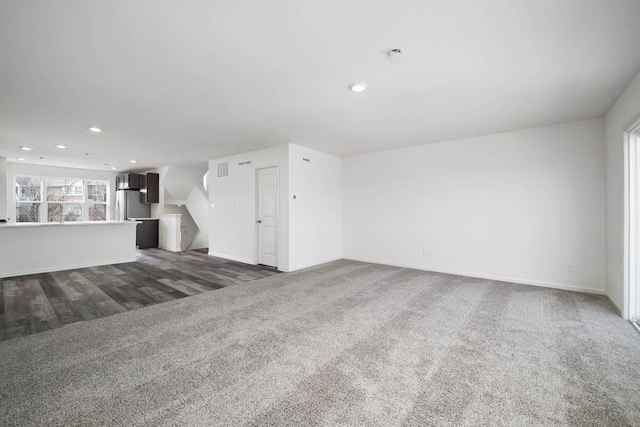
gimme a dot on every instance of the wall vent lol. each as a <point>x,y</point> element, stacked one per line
<point>223,169</point>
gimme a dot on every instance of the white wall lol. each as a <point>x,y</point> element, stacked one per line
<point>15,168</point>
<point>233,228</point>
<point>198,207</point>
<point>625,108</point>
<point>4,188</point>
<point>315,215</point>
<point>516,206</point>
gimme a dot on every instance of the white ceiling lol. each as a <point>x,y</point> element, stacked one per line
<point>181,82</point>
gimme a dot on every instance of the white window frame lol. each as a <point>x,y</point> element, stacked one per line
<point>44,204</point>
<point>631,304</point>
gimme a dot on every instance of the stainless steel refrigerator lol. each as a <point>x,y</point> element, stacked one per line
<point>128,205</point>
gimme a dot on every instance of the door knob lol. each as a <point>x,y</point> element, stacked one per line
<point>259,221</point>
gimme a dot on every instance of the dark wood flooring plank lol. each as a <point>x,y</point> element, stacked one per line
<point>94,294</point>
<point>16,310</point>
<point>64,310</point>
<point>86,309</point>
<point>67,284</point>
<point>41,315</point>
<point>112,269</point>
<point>195,286</point>
<point>50,287</point>
<point>156,294</point>
<point>133,305</point>
<point>206,276</point>
<point>182,288</point>
<point>117,294</point>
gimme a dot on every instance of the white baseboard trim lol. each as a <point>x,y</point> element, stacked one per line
<point>170,249</point>
<point>489,277</point>
<point>233,258</point>
<point>64,267</point>
<point>302,267</point>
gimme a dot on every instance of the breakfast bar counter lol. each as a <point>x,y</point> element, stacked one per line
<point>30,248</point>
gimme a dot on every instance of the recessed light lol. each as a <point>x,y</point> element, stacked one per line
<point>357,87</point>
<point>20,158</point>
<point>60,146</point>
<point>133,161</point>
<point>113,167</point>
<point>26,148</point>
<point>95,129</point>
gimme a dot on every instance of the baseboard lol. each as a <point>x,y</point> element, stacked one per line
<point>170,249</point>
<point>489,277</point>
<point>233,258</point>
<point>65,267</point>
<point>301,267</point>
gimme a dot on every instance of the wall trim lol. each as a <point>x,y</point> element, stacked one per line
<point>169,249</point>
<point>232,258</point>
<point>66,267</point>
<point>490,277</point>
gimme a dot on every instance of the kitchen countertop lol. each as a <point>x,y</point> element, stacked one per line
<point>63,224</point>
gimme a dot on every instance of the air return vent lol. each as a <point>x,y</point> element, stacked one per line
<point>223,169</point>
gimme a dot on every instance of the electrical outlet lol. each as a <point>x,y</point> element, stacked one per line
<point>569,267</point>
<point>424,253</point>
<point>427,253</point>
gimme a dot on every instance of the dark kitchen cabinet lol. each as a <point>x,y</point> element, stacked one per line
<point>147,233</point>
<point>150,188</point>
<point>128,181</point>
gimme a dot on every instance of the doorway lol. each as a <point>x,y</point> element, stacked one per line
<point>267,215</point>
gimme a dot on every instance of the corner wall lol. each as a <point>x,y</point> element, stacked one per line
<point>232,226</point>
<point>516,206</point>
<point>315,215</point>
<point>625,109</point>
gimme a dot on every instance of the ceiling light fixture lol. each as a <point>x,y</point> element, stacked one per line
<point>20,158</point>
<point>60,146</point>
<point>357,87</point>
<point>133,161</point>
<point>394,53</point>
<point>26,148</point>
<point>95,129</point>
<point>113,167</point>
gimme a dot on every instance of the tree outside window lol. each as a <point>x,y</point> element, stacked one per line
<point>66,199</point>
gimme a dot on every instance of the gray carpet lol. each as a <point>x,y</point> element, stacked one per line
<point>344,343</point>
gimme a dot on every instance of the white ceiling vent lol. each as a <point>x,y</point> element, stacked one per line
<point>223,169</point>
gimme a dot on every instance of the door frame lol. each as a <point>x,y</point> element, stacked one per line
<point>257,209</point>
<point>631,218</point>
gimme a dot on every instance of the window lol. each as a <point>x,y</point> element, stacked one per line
<point>28,198</point>
<point>63,202</point>
<point>65,199</point>
<point>97,192</point>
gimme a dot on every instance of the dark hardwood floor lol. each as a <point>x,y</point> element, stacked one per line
<point>39,302</point>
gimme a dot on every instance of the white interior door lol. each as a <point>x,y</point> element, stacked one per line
<point>268,216</point>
